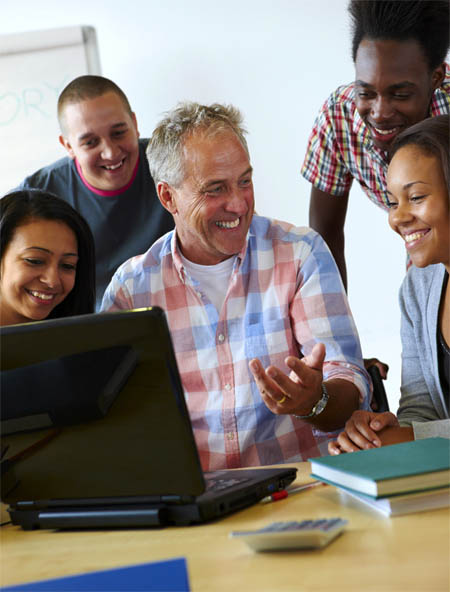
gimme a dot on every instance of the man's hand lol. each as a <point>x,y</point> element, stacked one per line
<point>361,431</point>
<point>294,394</point>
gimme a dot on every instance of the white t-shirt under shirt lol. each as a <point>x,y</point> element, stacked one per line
<point>213,279</point>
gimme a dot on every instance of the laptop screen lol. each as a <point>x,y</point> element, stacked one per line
<point>93,407</point>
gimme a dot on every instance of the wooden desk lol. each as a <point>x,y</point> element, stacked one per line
<point>406,553</point>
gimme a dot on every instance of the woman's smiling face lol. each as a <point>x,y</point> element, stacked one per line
<point>419,205</point>
<point>37,270</point>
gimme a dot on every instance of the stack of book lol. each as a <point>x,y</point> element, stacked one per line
<point>397,479</point>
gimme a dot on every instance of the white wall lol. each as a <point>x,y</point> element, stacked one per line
<point>275,60</point>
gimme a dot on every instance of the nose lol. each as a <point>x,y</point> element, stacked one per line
<point>381,109</point>
<point>401,214</point>
<point>236,203</point>
<point>51,277</point>
<point>109,150</point>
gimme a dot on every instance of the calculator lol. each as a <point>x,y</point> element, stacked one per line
<point>307,534</point>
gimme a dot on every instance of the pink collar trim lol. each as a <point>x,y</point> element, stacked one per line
<point>103,192</point>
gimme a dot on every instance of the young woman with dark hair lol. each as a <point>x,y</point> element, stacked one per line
<point>419,211</point>
<point>47,259</point>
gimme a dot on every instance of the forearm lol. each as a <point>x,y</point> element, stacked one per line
<point>327,215</point>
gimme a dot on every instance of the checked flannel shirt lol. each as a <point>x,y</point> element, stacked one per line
<point>284,295</point>
<point>340,148</point>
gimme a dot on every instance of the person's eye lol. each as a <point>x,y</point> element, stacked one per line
<point>33,261</point>
<point>401,96</point>
<point>417,198</point>
<point>391,204</point>
<point>69,266</point>
<point>245,182</point>
<point>214,190</point>
<point>362,93</point>
<point>90,143</point>
<point>119,133</point>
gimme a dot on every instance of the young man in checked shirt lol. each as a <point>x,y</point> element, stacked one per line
<point>401,77</point>
<point>248,300</point>
<point>399,50</point>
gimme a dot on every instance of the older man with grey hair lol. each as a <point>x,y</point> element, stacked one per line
<point>248,300</point>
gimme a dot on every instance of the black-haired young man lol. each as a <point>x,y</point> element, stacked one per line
<point>399,50</point>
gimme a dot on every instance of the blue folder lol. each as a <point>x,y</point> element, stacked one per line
<point>161,576</point>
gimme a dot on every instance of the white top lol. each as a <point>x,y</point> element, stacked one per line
<point>213,279</point>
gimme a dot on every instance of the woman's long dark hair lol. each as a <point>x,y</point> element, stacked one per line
<point>21,207</point>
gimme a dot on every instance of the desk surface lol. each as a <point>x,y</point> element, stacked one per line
<point>406,553</point>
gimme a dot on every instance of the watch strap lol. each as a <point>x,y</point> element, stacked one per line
<point>319,406</point>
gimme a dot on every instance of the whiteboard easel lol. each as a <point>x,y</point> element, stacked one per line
<point>34,69</point>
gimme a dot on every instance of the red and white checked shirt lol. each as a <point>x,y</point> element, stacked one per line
<point>284,295</point>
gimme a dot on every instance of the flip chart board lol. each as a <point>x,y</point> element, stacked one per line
<point>34,68</point>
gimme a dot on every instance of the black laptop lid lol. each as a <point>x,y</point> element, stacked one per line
<point>105,393</point>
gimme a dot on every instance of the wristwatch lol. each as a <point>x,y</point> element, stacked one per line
<point>319,406</point>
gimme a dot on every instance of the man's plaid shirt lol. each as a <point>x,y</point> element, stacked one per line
<point>284,295</point>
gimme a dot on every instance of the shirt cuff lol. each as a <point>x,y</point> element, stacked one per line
<point>431,429</point>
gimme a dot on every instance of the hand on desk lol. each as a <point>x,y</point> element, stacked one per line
<point>366,429</point>
<point>294,394</point>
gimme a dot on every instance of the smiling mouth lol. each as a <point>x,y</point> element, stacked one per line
<point>113,167</point>
<point>383,133</point>
<point>414,236</point>
<point>225,224</point>
<point>42,296</point>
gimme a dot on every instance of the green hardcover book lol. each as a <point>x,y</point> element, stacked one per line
<point>410,466</point>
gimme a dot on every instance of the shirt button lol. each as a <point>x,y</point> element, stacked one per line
<point>228,387</point>
<point>221,337</point>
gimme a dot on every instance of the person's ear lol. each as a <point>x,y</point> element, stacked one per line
<point>66,144</point>
<point>133,117</point>
<point>438,76</point>
<point>166,195</point>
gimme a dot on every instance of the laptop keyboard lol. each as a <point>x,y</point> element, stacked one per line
<point>220,483</point>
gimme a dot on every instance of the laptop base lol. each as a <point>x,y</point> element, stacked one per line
<point>122,516</point>
<point>171,511</point>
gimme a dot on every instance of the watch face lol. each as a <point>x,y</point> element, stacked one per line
<point>320,407</point>
<point>322,403</point>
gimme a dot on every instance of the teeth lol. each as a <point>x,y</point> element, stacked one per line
<point>113,167</point>
<point>228,224</point>
<point>414,236</point>
<point>385,132</point>
<point>41,295</point>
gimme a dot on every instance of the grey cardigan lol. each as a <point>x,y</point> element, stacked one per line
<point>422,400</point>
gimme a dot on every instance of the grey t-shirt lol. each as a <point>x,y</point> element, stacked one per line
<point>123,225</point>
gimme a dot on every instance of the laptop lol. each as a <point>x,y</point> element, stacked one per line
<point>95,431</point>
